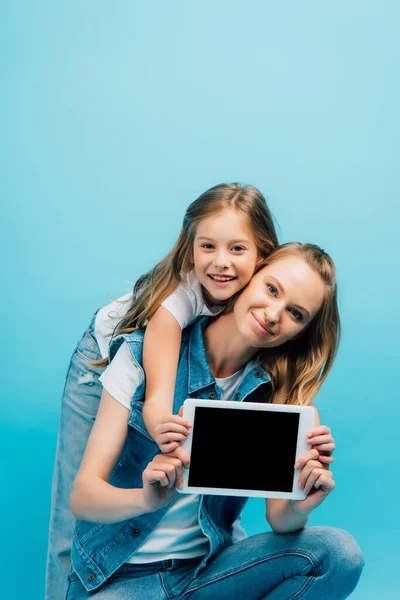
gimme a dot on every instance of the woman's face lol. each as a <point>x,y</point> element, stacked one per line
<point>279,302</point>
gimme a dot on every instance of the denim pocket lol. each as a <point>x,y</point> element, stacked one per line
<point>88,348</point>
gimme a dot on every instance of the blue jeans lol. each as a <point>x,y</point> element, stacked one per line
<point>316,563</point>
<point>80,403</point>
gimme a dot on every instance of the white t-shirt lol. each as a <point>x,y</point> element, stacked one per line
<point>186,303</point>
<point>178,534</point>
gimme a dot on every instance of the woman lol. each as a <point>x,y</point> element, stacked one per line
<point>135,539</point>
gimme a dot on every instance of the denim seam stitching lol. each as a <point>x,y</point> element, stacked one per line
<point>252,564</point>
<point>300,593</point>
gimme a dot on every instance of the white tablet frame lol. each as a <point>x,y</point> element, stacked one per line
<point>306,422</point>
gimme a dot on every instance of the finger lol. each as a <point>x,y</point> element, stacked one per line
<point>172,426</point>
<point>171,437</point>
<point>152,475</point>
<point>169,469</point>
<point>326,459</point>
<point>176,419</point>
<point>166,459</point>
<point>324,482</point>
<point>325,447</point>
<point>312,454</point>
<point>182,455</point>
<point>306,470</point>
<point>320,430</point>
<point>315,474</point>
<point>320,439</point>
<point>169,447</point>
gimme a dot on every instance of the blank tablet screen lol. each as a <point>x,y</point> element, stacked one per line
<point>243,449</point>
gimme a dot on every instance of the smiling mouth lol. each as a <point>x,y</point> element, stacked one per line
<point>222,278</point>
<point>263,325</point>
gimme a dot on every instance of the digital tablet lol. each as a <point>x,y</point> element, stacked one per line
<point>245,448</point>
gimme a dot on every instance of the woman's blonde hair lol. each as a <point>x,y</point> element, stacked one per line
<point>152,288</point>
<point>299,367</point>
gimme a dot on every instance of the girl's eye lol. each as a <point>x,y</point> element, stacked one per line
<point>297,314</point>
<point>272,290</point>
<point>238,249</point>
<point>207,246</point>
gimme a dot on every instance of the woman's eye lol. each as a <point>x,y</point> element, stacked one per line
<point>271,289</point>
<point>297,314</point>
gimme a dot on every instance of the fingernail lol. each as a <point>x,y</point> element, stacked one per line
<point>309,434</point>
<point>296,466</point>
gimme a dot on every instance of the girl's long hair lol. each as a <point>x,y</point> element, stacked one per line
<point>152,288</point>
<point>299,367</point>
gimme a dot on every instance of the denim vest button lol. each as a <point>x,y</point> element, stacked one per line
<point>136,532</point>
<point>258,374</point>
<point>211,395</point>
<point>92,577</point>
<point>237,396</point>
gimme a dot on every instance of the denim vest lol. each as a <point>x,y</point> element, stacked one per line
<point>98,550</point>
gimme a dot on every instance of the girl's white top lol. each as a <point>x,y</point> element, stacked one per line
<point>186,303</point>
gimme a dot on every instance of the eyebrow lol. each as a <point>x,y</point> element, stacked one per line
<point>244,241</point>
<point>281,289</point>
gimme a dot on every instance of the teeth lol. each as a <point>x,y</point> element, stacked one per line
<point>221,277</point>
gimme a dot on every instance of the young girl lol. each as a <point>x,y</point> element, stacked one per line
<point>225,233</point>
<point>135,538</point>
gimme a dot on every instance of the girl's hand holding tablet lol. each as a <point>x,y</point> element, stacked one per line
<point>171,431</point>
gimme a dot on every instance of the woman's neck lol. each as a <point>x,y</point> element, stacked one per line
<point>225,348</point>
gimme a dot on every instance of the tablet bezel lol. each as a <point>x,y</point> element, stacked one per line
<point>306,422</point>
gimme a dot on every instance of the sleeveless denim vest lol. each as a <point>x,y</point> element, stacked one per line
<point>98,550</point>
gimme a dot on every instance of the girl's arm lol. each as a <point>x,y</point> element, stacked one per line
<point>161,348</point>
<point>285,516</point>
<point>93,498</point>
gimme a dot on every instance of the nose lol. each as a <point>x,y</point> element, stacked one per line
<point>273,313</point>
<point>221,259</point>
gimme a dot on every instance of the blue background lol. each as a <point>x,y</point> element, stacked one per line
<point>114,117</point>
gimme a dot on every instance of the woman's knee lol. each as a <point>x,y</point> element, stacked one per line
<point>341,558</point>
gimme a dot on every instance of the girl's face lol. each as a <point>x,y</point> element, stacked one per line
<point>279,302</point>
<point>224,255</point>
